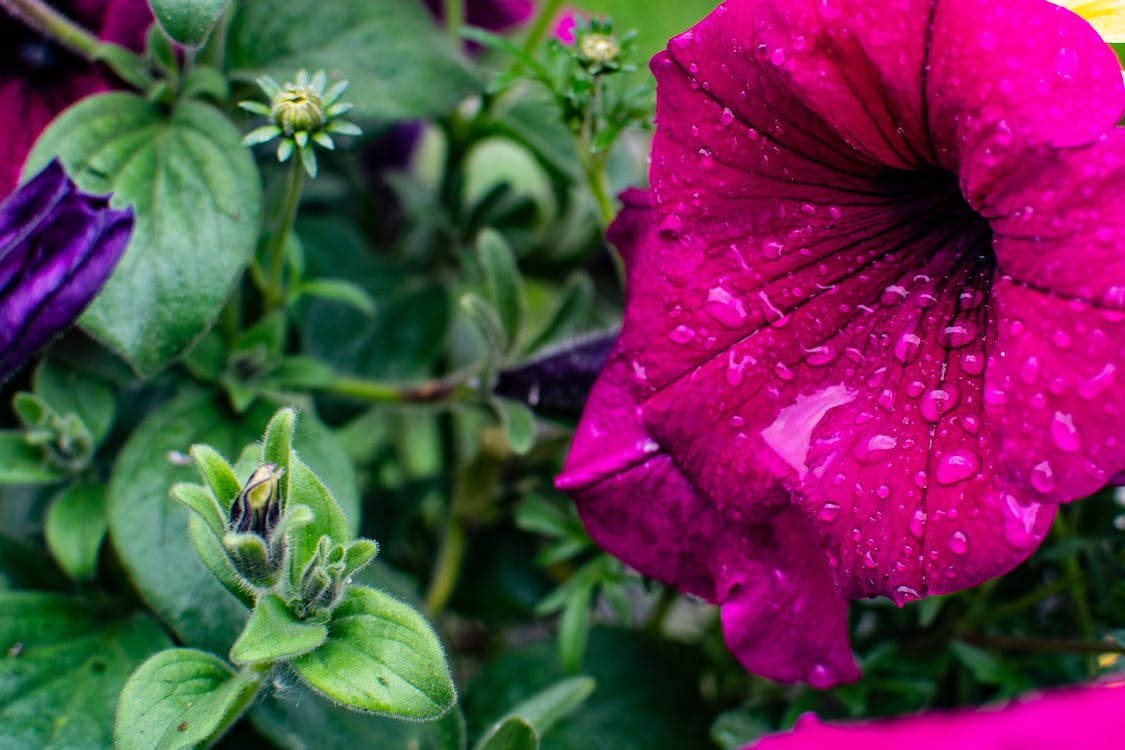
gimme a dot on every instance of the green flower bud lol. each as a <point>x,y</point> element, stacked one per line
<point>257,508</point>
<point>298,109</point>
<point>599,50</point>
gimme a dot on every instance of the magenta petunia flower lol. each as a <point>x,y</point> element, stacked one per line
<point>1091,718</point>
<point>58,246</point>
<point>39,79</point>
<point>876,312</point>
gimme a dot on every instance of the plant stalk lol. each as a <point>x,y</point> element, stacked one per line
<point>50,23</point>
<point>275,288</point>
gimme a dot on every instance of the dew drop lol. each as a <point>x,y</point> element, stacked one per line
<point>1043,477</point>
<point>784,371</point>
<point>959,543</point>
<point>774,316</point>
<point>904,594</point>
<point>821,676</point>
<point>828,512</point>
<point>724,308</point>
<point>907,348</point>
<point>956,466</point>
<point>725,118</point>
<point>1064,433</point>
<point>972,363</point>
<point>681,335</point>
<point>939,401</point>
<point>918,523</point>
<point>1092,386</point>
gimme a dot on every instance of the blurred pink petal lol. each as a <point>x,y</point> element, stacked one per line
<point>1090,718</point>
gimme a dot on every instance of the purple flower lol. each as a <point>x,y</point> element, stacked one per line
<point>875,316</point>
<point>494,15</point>
<point>58,245</point>
<point>1091,718</point>
<point>39,79</point>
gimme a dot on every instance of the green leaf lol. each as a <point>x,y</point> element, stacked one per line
<point>22,464</point>
<point>519,423</point>
<point>382,657</point>
<point>513,733</point>
<point>647,693</point>
<point>203,503</point>
<point>214,556</point>
<point>273,633</point>
<point>189,22</point>
<point>73,392</point>
<point>339,290</point>
<point>149,529</point>
<point>574,627</point>
<point>218,474</point>
<point>575,301</point>
<point>196,194</point>
<point>67,661</point>
<point>76,525</point>
<point>279,439</point>
<point>399,63</point>
<point>502,277</point>
<point>181,698</point>
<point>328,520</point>
<point>296,717</point>
<point>532,718</point>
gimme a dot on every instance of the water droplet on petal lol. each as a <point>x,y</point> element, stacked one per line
<point>821,676</point>
<point>956,466</point>
<point>918,523</point>
<point>725,308</point>
<point>939,401</point>
<point>1064,433</point>
<point>681,335</point>
<point>1043,477</point>
<point>904,594</point>
<point>907,348</point>
<point>959,543</point>
<point>774,316</point>
<point>828,512</point>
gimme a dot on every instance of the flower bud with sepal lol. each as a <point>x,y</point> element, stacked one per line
<point>328,574</point>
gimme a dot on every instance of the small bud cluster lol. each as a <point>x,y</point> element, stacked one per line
<point>328,574</point>
<point>64,439</point>
<point>597,48</point>
<point>301,113</point>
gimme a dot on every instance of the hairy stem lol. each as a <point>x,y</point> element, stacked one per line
<point>50,23</point>
<point>454,18</point>
<point>275,281</point>
<point>381,391</point>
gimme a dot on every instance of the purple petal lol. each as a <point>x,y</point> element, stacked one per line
<point>55,264</point>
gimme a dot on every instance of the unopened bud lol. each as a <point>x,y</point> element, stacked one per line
<point>599,49</point>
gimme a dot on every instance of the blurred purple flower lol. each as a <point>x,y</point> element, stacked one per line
<point>875,317</point>
<point>58,245</point>
<point>494,15</point>
<point>1091,718</point>
<point>39,79</point>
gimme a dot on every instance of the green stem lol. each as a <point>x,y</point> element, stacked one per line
<point>275,289</point>
<point>547,12</point>
<point>447,568</point>
<point>454,18</point>
<point>381,391</point>
<point>49,22</point>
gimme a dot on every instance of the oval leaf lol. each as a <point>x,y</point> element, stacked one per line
<point>76,525</point>
<point>196,194</point>
<point>382,657</point>
<point>273,633</point>
<point>181,698</point>
<point>399,63</point>
<point>189,22</point>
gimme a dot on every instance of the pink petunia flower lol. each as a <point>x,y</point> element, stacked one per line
<point>876,312</point>
<point>39,79</point>
<point>1091,718</point>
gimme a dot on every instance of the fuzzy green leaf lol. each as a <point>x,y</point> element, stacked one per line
<point>76,525</point>
<point>181,698</point>
<point>382,657</point>
<point>273,633</point>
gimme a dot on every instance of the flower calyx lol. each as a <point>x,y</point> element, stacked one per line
<point>301,112</point>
